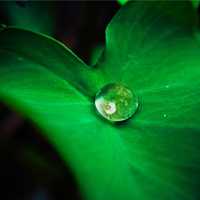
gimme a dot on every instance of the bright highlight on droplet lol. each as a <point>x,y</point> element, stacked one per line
<point>116,102</point>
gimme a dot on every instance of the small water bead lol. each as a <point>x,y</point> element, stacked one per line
<point>116,102</point>
<point>164,115</point>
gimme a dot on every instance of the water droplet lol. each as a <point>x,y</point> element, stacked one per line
<point>164,115</point>
<point>116,102</point>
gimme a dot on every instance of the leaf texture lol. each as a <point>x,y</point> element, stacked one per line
<point>155,154</point>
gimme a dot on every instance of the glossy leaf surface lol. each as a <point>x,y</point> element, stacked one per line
<point>155,154</point>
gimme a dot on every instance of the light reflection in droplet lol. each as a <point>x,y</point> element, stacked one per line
<point>116,102</point>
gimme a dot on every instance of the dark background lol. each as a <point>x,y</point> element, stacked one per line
<point>29,167</point>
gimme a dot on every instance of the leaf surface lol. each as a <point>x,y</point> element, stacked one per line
<point>155,154</point>
<point>157,55</point>
<point>47,83</point>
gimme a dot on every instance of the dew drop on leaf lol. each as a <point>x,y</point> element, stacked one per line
<point>164,115</point>
<point>116,102</point>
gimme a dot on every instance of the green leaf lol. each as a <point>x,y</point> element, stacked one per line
<point>195,3</point>
<point>122,2</point>
<point>96,54</point>
<point>154,155</point>
<point>33,15</point>
<point>158,57</point>
<point>53,56</point>
<point>38,78</point>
